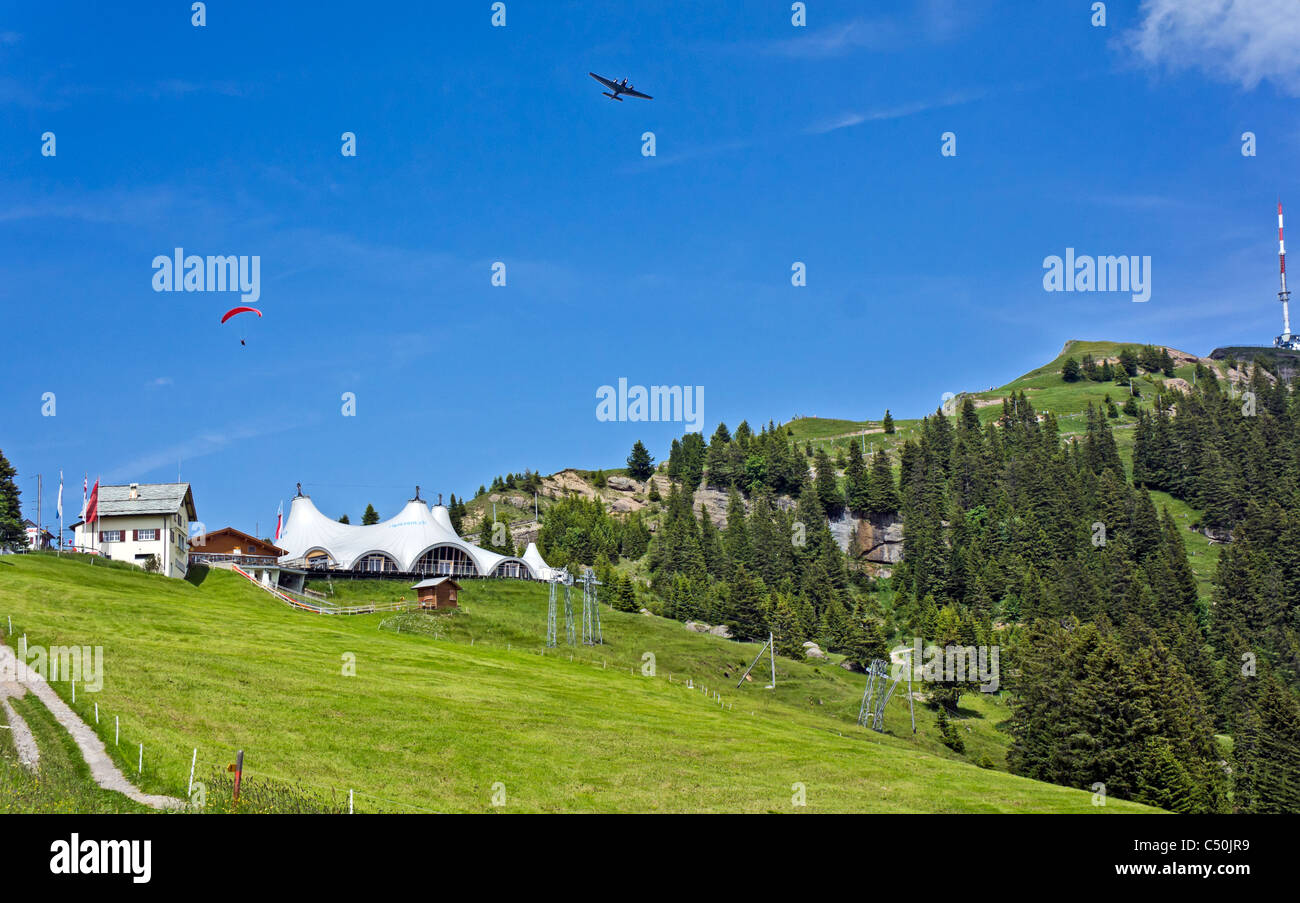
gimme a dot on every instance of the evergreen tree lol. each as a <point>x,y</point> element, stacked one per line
<point>640,465</point>
<point>370,516</point>
<point>855,481</point>
<point>888,423</point>
<point>828,490</point>
<point>882,495</point>
<point>13,534</point>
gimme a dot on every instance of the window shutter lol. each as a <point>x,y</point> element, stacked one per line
<point>101,535</point>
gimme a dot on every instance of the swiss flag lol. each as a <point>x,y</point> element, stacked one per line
<point>92,505</point>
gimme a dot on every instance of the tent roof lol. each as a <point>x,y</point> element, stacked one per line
<point>404,538</point>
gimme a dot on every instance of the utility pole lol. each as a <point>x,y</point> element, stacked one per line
<point>39,519</point>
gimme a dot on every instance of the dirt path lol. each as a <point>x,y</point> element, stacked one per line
<point>28,754</point>
<point>102,768</point>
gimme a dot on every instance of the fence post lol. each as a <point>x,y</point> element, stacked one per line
<point>239,773</point>
<point>193,762</point>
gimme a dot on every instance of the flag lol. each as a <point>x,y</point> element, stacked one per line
<point>60,505</point>
<point>92,506</point>
<point>279,519</point>
<point>84,486</point>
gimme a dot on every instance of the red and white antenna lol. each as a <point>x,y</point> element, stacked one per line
<point>1284,296</point>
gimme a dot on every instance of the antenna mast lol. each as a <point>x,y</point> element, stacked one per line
<point>1286,339</point>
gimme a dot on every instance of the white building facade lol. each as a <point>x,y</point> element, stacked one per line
<point>141,522</point>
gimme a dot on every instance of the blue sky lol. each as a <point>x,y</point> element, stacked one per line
<point>476,144</point>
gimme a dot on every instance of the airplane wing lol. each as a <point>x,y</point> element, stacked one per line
<point>631,93</point>
<point>604,81</point>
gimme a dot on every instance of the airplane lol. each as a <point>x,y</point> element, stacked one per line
<point>618,88</point>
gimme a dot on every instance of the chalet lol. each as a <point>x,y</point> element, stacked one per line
<point>237,543</point>
<point>145,524</point>
<point>230,548</point>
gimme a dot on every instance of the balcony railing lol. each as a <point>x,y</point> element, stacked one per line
<point>251,560</point>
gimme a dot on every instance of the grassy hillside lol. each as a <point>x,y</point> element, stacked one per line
<point>1068,402</point>
<point>431,723</point>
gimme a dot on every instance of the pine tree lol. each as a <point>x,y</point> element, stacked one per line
<point>828,490</point>
<point>344,520</point>
<point>370,516</point>
<point>855,481</point>
<point>787,628</point>
<point>640,465</point>
<point>12,533</point>
<point>736,546</point>
<point>882,495</point>
<point>888,423</point>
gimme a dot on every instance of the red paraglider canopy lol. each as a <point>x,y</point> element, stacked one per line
<point>239,310</point>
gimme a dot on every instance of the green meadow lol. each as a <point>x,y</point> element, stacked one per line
<point>455,712</point>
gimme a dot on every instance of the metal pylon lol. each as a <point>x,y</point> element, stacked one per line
<point>565,579</point>
<point>591,635</point>
<point>880,687</point>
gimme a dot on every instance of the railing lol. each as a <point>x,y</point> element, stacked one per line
<point>253,560</point>
<point>366,609</point>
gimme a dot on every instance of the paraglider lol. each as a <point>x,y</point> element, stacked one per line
<point>234,311</point>
<point>239,310</point>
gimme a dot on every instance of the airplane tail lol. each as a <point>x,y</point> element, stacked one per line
<point>612,96</point>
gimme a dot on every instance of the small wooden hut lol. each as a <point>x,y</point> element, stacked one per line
<point>436,592</point>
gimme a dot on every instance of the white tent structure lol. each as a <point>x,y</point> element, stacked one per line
<point>419,539</point>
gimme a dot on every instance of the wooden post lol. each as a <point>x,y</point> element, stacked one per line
<point>239,773</point>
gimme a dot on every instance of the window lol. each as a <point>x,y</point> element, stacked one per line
<point>146,535</point>
<point>446,560</point>
<point>376,562</point>
<point>111,536</point>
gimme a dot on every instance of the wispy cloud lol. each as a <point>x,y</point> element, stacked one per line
<point>205,443</point>
<point>1240,41</point>
<point>177,87</point>
<point>111,206</point>
<point>928,22</point>
<point>850,119</point>
<point>838,40</point>
<point>695,152</point>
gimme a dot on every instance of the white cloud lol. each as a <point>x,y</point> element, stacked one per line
<point>1240,41</point>
<point>925,23</point>
<point>848,120</point>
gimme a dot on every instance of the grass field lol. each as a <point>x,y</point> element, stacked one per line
<point>62,783</point>
<point>434,723</point>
